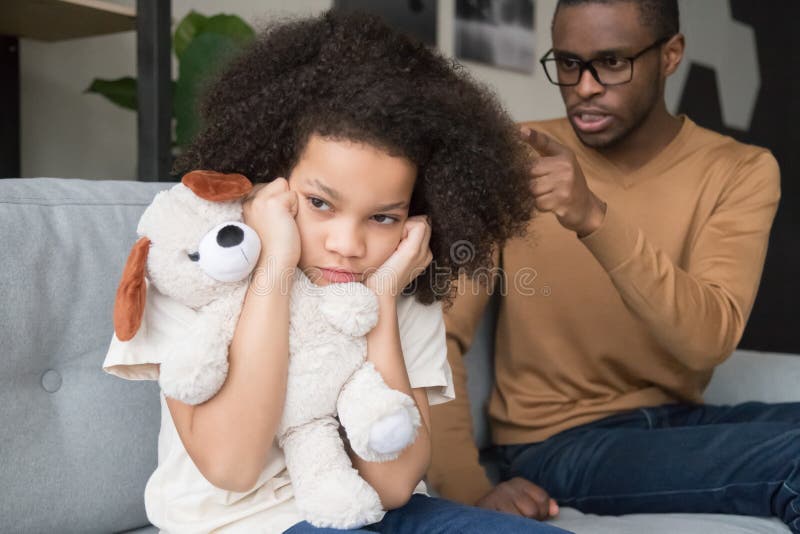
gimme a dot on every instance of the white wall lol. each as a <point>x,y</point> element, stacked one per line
<point>527,97</point>
<point>71,134</point>
<point>67,133</point>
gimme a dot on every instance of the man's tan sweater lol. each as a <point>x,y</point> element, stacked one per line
<point>638,313</point>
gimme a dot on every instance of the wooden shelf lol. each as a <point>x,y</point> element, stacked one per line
<point>55,20</point>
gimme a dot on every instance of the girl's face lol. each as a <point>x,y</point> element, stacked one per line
<point>353,203</point>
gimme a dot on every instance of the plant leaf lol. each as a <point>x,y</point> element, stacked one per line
<point>201,60</point>
<point>121,91</point>
<point>231,26</point>
<point>189,27</point>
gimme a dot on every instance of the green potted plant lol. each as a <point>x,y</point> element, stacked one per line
<point>201,45</point>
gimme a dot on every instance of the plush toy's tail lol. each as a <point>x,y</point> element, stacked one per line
<point>129,305</point>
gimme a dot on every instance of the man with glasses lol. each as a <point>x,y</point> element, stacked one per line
<point>645,275</point>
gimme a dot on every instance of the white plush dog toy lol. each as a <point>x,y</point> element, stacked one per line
<point>195,249</point>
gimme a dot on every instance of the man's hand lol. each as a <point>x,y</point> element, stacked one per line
<point>521,497</point>
<point>558,185</point>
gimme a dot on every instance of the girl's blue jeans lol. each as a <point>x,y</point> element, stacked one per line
<point>429,515</point>
<point>742,459</point>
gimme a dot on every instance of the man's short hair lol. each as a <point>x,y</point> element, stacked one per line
<point>660,15</point>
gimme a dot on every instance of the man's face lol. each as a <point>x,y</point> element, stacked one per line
<point>604,115</point>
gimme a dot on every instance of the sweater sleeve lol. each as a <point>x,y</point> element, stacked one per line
<point>697,314</point>
<point>455,472</point>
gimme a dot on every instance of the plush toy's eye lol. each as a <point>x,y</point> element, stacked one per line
<point>194,256</point>
<point>228,252</point>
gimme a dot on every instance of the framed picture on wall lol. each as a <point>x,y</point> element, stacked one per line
<point>499,33</point>
<point>413,17</point>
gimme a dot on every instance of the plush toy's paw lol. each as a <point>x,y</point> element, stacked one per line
<point>340,499</point>
<point>385,438</point>
<point>350,308</point>
<point>392,433</point>
<point>373,413</point>
<point>194,383</point>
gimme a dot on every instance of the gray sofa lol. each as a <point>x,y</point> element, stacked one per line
<point>77,446</point>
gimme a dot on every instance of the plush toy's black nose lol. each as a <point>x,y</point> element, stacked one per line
<point>230,236</point>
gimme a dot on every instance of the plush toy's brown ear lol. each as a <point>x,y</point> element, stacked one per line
<point>129,306</point>
<point>217,186</point>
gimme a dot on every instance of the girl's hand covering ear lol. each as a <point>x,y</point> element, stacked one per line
<point>270,210</point>
<point>412,256</point>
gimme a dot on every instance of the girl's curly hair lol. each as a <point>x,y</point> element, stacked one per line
<point>351,77</point>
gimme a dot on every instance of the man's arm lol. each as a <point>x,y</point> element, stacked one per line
<point>697,314</point>
<point>455,471</point>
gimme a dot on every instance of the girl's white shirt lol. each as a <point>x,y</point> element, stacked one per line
<point>178,499</point>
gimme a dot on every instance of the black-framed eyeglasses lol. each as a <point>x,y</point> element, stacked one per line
<point>567,71</point>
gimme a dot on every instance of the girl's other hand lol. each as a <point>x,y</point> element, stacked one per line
<point>270,209</point>
<point>410,258</point>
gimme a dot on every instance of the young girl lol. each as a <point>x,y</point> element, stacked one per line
<point>374,158</point>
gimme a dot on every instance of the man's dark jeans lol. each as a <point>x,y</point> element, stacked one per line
<point>742,459</point>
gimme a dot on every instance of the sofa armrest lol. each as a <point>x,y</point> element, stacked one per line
<point>755,376</point>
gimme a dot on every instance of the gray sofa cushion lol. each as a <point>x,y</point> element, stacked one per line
<point>144,530</point>
<point>579,523</point>
<point>77,446</point>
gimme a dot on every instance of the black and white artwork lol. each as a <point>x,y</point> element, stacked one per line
<point>499,33</point>
<point>413,17</point>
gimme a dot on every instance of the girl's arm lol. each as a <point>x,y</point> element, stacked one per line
<point>229,436</point>
<point>395,480</point>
